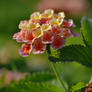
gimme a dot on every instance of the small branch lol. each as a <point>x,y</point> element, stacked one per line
<point>55,70</point>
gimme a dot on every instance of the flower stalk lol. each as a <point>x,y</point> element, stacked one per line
<point>53,66</point>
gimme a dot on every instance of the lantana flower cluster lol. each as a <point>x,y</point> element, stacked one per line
<point>89,88</point>
<point>42,29</point>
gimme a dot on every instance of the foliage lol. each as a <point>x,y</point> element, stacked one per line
<point>40,77</point>
<point>78,87</point>
<point>79,53</point>
<point>32,87</point>
<point>34,83</point>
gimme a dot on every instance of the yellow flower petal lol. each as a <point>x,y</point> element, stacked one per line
<point>38,33</point>
<point>61,15</point>
<point>23,25</point>
<point>55,16</point>
<point>36,15</point>
<point>33,26</point>
<point>55,22</point>
<point>46,27</point>
<point>48,13</point>
<point>58,19</point>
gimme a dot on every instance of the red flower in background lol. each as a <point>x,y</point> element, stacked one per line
<point>42,29</point>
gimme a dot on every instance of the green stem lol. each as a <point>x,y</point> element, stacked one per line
<point>55,70</point>
<point>57,75</point>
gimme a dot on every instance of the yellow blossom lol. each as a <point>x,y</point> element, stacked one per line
<point>38,33</point>
<point>48,13</point>
<point>61,15</point>
<point>33,26</point>
<point>36,15</point>
<point>23,25</point>
<point>55,22</point>
<point>46,27</point>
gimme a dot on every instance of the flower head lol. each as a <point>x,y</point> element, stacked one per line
<point>89,88</point>
<point>42,29</point>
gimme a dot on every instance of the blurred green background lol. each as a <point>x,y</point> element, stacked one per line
<point>11,13</point>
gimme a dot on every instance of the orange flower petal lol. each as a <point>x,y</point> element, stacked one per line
<point>68,23</point>
<point>56,30</point>
<point>47,37</point>
<point>29,38</point>
<point>67,33</point>
<point>38,33</point>
<point>25,50</point>
<point>38,47</point>
<point>65,24</point>
<point>58,42</point>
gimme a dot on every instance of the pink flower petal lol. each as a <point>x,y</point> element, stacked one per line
<point>67,24</point>
<point>15,36</point>
<point>67,33</point>
<point>58,42</point>
<point>38,47</point>
<point>47,37</point>
<point>74,34</point>
<point>25,50</point>
<point>77,35</point>
<point>20,36</point>
<point>23,24</point>
<point>44,21</point>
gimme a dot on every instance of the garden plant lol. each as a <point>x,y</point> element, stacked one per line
<point>47,32</point>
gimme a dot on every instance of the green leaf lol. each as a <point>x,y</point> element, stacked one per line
<point>78,86</point>
<point>37,82</point>
<point>31,87</point>
<point>74,40</point>
<point>40,77</point>
<point>70,53</point>
<point>86,30</point>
